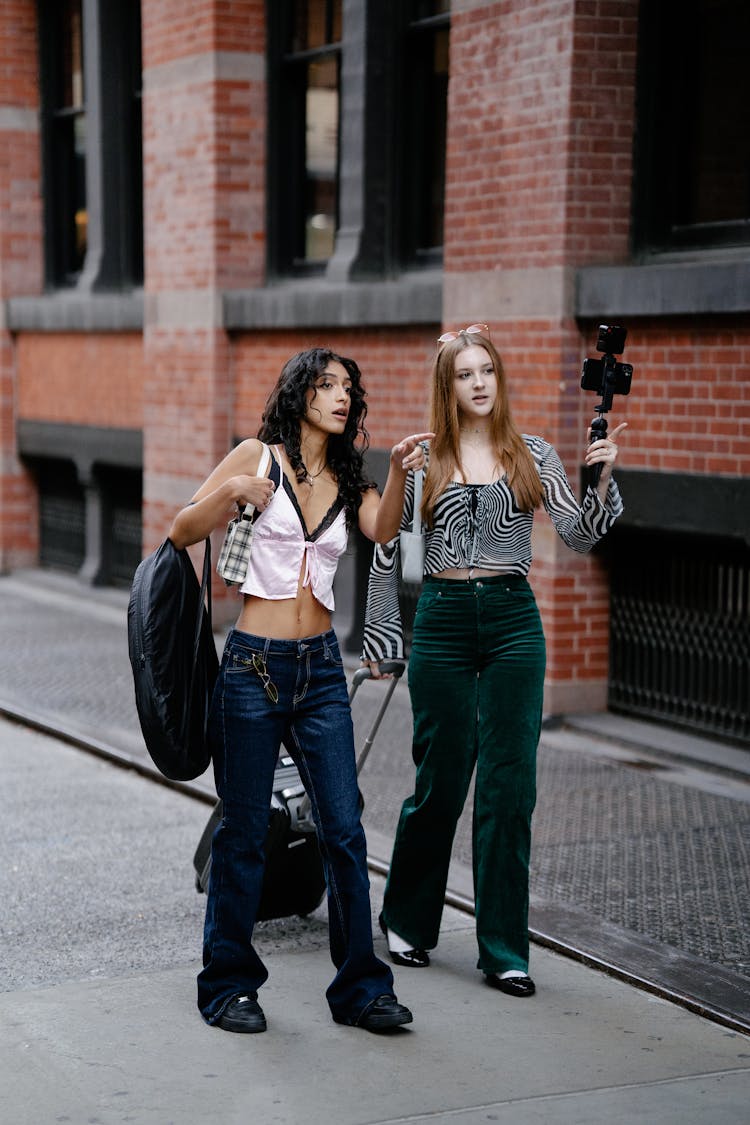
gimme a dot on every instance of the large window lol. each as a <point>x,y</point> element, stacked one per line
<point>357,131</point>
<point>90,63</point>
<point>65,140</point>
<point>693,151</point>
<point>425,78</point>
<point>306,109</point>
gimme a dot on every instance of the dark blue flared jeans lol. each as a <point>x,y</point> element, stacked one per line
<point>313,719</point>
<point>476,679</point>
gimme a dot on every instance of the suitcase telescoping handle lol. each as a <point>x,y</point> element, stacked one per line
<point>391,668</point>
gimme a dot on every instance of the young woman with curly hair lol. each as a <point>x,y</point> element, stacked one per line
<point>282,680</point>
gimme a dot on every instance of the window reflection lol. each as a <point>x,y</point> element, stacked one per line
<point>321,158</point>
<point>426,98</point>
<point>313,63</point>
<point>693,137</point>
<point>316,23</point>
<point>69,140</point>
<point>78,124</point>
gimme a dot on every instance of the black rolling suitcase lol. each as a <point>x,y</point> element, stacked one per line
<point>294,882</point>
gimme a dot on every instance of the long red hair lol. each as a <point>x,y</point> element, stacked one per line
<point>445,449</point>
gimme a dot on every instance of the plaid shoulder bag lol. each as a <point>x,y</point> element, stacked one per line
<point>235,550</point>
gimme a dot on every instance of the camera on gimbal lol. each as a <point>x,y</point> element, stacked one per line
<point>606,377</point>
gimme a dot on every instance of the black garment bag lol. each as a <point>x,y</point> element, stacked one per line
<point>173,657</point>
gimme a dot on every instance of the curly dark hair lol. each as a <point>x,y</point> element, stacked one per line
<point>286,407</point>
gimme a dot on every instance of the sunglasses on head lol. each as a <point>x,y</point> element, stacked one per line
<point>472,330</point>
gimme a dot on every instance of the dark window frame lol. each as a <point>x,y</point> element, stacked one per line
<point>287,89</point>
<point>381,181</point>
<point>666,85</point>
<point>114,162</point>
<point>58,146</point>
<point>417,145</point>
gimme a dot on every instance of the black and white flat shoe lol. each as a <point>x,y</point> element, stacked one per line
<point>408,958</point>
<point>511,986</point>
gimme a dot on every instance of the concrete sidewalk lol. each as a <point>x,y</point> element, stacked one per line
<point>98,1023</point>
<point>586,1049</point>
<point>641,840</point>
<point>101,927</point>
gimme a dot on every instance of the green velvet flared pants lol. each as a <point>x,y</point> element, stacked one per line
<point>476,679</point>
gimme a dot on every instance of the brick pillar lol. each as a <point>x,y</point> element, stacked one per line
<point>538,184</point>
<point>20,260</point>
<point>204,220</point>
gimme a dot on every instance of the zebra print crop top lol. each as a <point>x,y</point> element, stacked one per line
<point>480,526</point>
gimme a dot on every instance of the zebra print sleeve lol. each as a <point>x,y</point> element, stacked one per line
<point>383,634</point>
<point>580,526</point>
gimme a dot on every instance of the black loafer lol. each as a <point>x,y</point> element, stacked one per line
<point>409,958</point>
<point>243,1014</point>
<point>511,986</point>
<point>383,1013</point>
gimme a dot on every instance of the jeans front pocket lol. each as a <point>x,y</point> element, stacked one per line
<point>332,653</point>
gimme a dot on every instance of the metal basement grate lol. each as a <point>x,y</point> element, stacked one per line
<point>680,632</point>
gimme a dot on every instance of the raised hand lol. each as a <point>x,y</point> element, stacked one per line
<point>408,453</point>
<point>604,452</point>
<point>256,491</point>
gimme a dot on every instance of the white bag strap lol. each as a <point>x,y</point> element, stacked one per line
<point>250,511</point>
<point>416,519</point>
<point>265,461</point>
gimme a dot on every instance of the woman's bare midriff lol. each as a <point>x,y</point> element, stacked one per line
<point>464,574</point>
<point>290,619</point>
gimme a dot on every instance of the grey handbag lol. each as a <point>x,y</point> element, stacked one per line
<point>235,550</point>
<point>411,543</point>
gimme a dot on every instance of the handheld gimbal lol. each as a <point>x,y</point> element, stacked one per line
<point>606,377</point>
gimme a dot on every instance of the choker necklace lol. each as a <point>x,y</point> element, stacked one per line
<point>478,441</point>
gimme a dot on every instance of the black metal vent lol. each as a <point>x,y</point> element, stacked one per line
<point>125,545</point>
<point>680,631</point>
<point>121,491</point>
<point>62,517</point>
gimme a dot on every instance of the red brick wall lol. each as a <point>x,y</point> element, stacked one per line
<point>602,123</point>
<point>507,143</point>
<point>182,28</point>
<point>204,205</point>
<point>18,500</point>
<point>541,107</point>
<point>20,258</point>
<point>541,111</point>
<point>689,408</point>
<point>81,378</point>
<point>204,144</point>
<point>20,199</point>
<point>394,365</point>
<point>17,47</point>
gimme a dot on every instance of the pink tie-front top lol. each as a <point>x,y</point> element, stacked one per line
<point>281,544</point>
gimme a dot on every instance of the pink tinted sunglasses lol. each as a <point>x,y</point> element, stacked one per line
<point>472,330</point>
